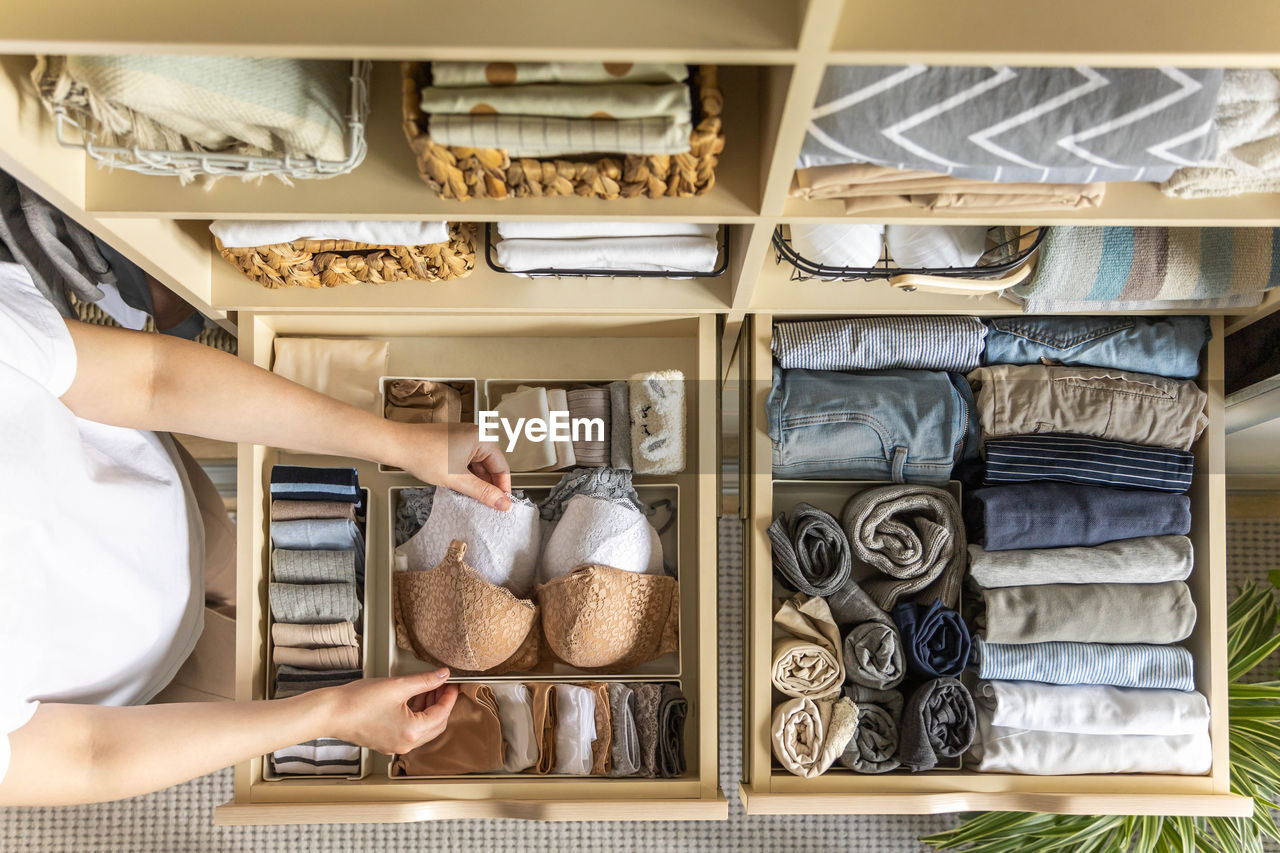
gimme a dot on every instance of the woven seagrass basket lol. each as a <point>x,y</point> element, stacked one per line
<point>463,173</point>
<point>330,263</point>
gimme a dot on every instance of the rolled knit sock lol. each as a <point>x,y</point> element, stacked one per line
<point>328,657</point>
<point>287,510</point>
<point>314,636</point>
<point>314,602</point>
<point>657,422</point>
<point>313,566</point>
<point>591,403</point>
<point>620,424</point>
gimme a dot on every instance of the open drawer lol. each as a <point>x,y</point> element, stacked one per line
<point>597,348</point>
<point>770,789</point>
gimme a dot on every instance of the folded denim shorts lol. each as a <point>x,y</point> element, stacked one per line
<point>905,426</point>
<point>1163,346</point>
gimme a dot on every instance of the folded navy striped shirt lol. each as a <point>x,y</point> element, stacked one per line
<point>954,344</point>
<point>302,483</point>
<point>1092,461</point>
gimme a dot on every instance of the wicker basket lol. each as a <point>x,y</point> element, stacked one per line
<point>462,173</point>
<point>330,263</point>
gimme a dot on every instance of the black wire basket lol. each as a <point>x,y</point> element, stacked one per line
<point>1010,247</point>
<point>722,264</point>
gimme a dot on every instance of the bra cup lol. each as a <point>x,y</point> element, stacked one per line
<point>453,615</point>
<point>596,531</point>
<point>608,620</point>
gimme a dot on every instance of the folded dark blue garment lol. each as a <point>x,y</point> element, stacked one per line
<point>302,483</point>
<point>935,640</point>
<point>1065,515</point>
<point>1090,461</point>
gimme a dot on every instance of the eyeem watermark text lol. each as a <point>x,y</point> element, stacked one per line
<point>559,427</point>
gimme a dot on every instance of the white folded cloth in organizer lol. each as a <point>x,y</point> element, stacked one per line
<point>665,253</point>
<point>558,401</point>
<point>935,246</point>
<point>598,532</point>
<point>1090,709</point>
<point>502,546</point>
<point>839,245</point>
<point>515,712</point>
<point>526,455</point>
<point>262,232</point>
<point>1035,753</point>
<point>581,230</point>
<point>575,729</point>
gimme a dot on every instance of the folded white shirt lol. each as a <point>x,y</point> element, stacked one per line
<point>675,254</point>
<point>582,230</point>
<point>1093,709</point>
<point>262,232</point>
<point>575,729</point>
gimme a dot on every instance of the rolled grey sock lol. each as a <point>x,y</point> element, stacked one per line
<point>940,721</point>
<point>620,424</point>
<point>313,603</point>
<point>810,550</point>
<point>625,747</point>
<point>875,742</point>
<point>313,566</point>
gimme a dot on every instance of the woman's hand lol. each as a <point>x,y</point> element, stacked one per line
<point>391,715</point>
<point>453,455</point>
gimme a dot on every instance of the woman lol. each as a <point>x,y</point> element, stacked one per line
<point>103,553</point>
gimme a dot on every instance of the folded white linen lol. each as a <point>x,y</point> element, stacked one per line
<point>515,711</point>
<point>677,254</point>
<point>575,729</point>
<point>935,246</point>
<point>839,245</point>
<point>262,232</point>
<point>582,230</point>
<point>1035,753</point>
<point>526,403</point>
<point>1089,709</point>
<point>598,532</point>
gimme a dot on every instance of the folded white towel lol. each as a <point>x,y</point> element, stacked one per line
<point>839,245</point>
<point>1092,709</point>
<point>515,711</point>
<point>575,729</point>
<point>595,531</point>
<point>262,232</point>
<point>935,246</point>
<point>502,546</point>
<point>1001,750</point>
<point>674,254</point>
<point>581,230</point>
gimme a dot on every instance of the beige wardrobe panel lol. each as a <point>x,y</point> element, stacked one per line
<point>768,789</point>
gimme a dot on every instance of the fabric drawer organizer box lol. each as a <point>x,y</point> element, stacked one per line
<point>544,349</point>
<point>320,263</point>
<point>774,785</point>
<point>463,172</point>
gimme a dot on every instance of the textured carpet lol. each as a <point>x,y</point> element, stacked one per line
<point>180,818</point>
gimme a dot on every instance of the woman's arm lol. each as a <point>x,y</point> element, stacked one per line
<point>86,753</point>
<point>158,382</point>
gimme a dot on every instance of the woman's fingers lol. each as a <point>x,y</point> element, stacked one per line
<point>487,493</point>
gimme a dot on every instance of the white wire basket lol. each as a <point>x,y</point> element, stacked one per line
<point>72,133</point>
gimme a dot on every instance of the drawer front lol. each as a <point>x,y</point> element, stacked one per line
<point>769,789</point>
<point>595,348</point>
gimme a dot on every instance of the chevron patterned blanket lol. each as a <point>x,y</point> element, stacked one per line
<point>1055,125</point>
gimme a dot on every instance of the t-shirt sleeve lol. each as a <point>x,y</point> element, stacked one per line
<point>33,337</point>
<point>13,716</point>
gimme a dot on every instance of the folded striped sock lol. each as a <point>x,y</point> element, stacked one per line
<point>303,483</point>
<point>323,756</point>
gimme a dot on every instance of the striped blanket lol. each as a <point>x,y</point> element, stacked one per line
<point>1122,264</point>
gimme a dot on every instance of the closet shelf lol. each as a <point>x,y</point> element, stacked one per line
<point>572,30</point>
<point>1124,204</point>
<point>481,290</point>
<point>1100,33</point>
<point>387,186</point>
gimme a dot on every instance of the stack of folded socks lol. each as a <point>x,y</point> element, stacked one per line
<point>594,728</point>
<point>316,594</point>
<point>558,109</point>
<point>613,247</point>
<point>870,667</point>
<point>636,424</point>
<point>1080,554</point>
<point>980,139</point>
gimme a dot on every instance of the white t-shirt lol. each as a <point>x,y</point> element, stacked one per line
<point>101,567</point>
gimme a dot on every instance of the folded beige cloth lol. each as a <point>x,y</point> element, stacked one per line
<point>866,187</point>
<point>605,100</point>
<point>806,649</point>
<point>347,369</point>
<point>421,401</point>
<point>325,657</point>
<point>809,736</point>
<point>314,636</point>
<point>523,73</point>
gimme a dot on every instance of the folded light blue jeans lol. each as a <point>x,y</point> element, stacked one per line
<point>1163,346</point>
<point>905,426</point>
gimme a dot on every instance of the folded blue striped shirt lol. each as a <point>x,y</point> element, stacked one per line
<point>303,483</point>
<point>1091,461</point>
<point>953,344</point>
<point>1117,665</point>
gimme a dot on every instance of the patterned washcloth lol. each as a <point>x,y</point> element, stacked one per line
<point>1122,264</point>
<point>606,101</point>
